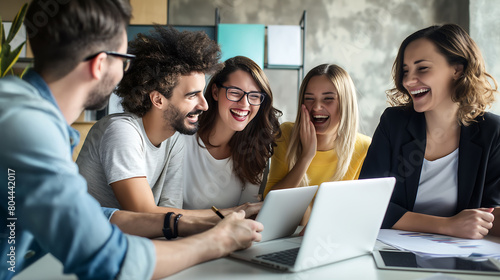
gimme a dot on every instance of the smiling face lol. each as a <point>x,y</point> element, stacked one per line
<point>99,96</point>
<point>236,115</point>
<point>322,102</point>
<point>428,77</point>
<point>186,103</point>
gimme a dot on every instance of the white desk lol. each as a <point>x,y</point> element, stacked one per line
<point>358,268</point>
<point>48,268</point>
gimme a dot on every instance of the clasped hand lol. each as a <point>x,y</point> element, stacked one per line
<point>470,223</point>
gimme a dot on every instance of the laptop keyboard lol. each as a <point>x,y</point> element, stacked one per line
<point>286,257</point>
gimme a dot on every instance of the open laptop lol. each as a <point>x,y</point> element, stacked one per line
<point>344,223</point>
<point>283,210</point>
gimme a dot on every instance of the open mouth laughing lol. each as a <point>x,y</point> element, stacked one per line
<point>239,115</point>
<point>319,119</point>
<point>193,116</point>
<point>420,92</point>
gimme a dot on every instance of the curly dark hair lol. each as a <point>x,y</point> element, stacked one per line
<point>473,91</point>
<point>161,57</point>
<point>253,146</point>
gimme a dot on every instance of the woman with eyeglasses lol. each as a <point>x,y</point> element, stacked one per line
<point>225,161</point>
<point>323,144</point>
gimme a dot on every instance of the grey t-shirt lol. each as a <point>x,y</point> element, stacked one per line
<point>118,148</point>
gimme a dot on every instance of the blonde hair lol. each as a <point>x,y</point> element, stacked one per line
<point>348,127</point>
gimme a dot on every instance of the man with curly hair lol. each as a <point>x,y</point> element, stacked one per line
<point>133,160</point>
<point>80,55</point>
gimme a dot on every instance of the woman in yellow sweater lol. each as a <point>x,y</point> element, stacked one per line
<point>323,144</point>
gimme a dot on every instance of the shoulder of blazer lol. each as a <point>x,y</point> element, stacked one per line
<point>398,115</point>
<point>404,118</point>
<point>485,128</point>
<point>490,121</point>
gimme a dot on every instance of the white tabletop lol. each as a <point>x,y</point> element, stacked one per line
<point>358,268</point>
<point>227,268</point>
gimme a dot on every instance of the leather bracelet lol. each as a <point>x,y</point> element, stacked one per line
<point>176,225</point>
<point>167,231</point>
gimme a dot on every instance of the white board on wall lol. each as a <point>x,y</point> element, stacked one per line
<point>283,45</point>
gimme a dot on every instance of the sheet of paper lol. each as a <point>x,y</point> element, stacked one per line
<point>435,244</point>
<point>283,44</point>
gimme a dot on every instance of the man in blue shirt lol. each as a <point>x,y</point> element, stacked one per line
<point>80,54</point>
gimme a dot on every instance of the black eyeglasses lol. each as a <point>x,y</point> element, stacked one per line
<point>236,94</point>
<point>127,58</point>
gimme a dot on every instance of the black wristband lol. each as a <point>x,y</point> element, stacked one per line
<point>176,225</point>
<point>167,231</point>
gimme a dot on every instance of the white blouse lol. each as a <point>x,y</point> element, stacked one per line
<point>212,182</point>
<point>437,193</point>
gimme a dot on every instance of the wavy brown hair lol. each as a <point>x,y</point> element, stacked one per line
<point>473,91</point>
<point>161,57</point>
<point>253,146</point>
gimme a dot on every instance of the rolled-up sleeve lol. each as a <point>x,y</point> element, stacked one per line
<point>140,259</point>
<point>52,202</point>
<point>108,212</point>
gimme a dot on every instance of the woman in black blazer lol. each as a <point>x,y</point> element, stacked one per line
<point>438,141</point>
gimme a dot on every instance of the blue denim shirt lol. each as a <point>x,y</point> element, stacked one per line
<point>44,202</point>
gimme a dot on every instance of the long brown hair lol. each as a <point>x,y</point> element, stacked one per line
<point>253,146</point>
<point>473,92</point>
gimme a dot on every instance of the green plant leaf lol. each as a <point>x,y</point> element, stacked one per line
<point>17,23</point>
<point>12,58</point>
<point>3,33</point>
<point>24,71</point>
<point>3,56</point>
<point>7,57</point>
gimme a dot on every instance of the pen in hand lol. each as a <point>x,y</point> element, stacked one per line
<point>217,212</point>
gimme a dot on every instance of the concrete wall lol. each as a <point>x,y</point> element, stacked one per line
<point>484,26</point>
<point>360,35</point>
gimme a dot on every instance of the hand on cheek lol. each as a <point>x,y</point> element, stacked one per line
<point>307,135</point>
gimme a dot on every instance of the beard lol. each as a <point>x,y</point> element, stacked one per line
<point>99,96</point>
<point>176,119</point>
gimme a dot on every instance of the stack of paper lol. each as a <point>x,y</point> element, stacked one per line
<point>438,245</point>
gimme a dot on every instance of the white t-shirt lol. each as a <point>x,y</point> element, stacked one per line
<point>437,193</point>
<point>212,182</point>
<point>118,148</point>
